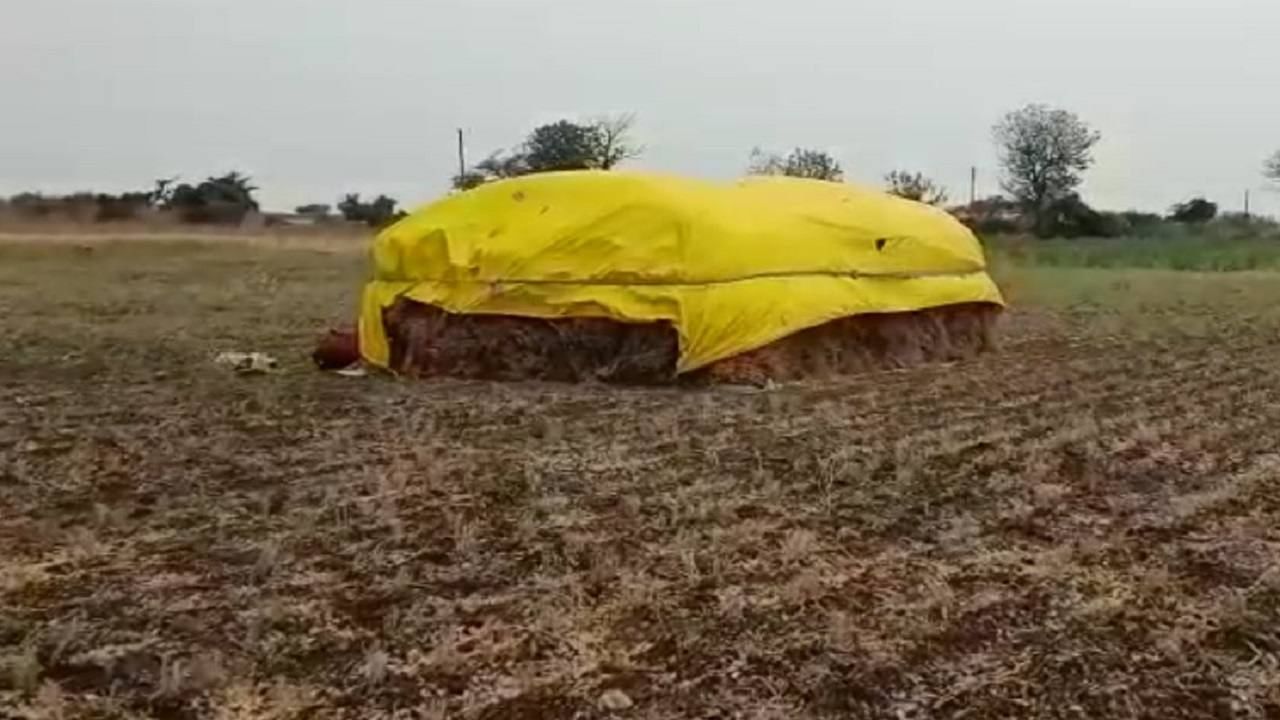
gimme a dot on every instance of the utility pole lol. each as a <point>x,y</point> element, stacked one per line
<point>1246,204</point>
<point>973,184</point>
<point>462,156</point>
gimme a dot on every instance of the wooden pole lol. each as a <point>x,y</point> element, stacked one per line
<point>462,156</point>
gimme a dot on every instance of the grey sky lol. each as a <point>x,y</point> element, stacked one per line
<point>317,97</point>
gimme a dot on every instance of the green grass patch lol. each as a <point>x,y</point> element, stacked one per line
<point>1208,250</point>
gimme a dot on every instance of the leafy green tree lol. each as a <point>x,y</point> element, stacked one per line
<point>351,207</point>
<point>1194,211</point>
<point>226,199</point>
<point>1044,153</point>
<point>800,163</point>
<point>234,188</point>
<point>378,213</point>
<point>562,145</point>
<point>915,186</point>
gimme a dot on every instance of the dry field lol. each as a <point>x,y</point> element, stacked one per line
<point>1083,525</point>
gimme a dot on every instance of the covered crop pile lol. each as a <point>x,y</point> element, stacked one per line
<point>426,341</point>
<point>644,278</point>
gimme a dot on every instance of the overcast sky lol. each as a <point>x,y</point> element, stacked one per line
<point>319,97</point>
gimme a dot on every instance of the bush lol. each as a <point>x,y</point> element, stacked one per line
<point>79,207</point>
<point>379,213</point>
<point>318,211</point>
<point>1194,211</point>
<point>995,215</point>
<point>801,163</point>
<point>219,200</point>
<point>1072,217</point>
<point>127,206</point>
<point>915,186</point>
<point>1141,223</point>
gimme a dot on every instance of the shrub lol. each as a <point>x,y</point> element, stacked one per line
<point>1194,211</point>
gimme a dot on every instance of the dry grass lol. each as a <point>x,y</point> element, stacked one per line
<point>1080,525</point>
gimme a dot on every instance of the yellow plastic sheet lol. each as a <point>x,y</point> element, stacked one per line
<point>733,266</point>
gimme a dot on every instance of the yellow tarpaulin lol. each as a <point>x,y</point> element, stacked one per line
<point>733,267</point>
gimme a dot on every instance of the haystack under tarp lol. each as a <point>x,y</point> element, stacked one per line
<point>429,342</point>
<point>730,268</point>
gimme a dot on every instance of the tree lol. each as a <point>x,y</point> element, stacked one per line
<point>497,166</point>
<point>32,204</point>
<point>383,212</point>
<point>1043,152</point>
<point>1271,168</point>
<point>469,180</point>
<point>562,145</point>
<point>225,199</point>
<point>1194,211</point>
<point>163,191</point>
<point>801,163</point>
<point>1071,216</point>
<point>234,188</point>
<point>377,214</point>
<point>613,140</point>
<point>915,186</point>
<point>503,165</point>
<point>125,206</point>
<point>601,144</point>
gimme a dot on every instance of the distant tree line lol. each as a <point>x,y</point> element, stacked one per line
<point>1043,153</point>
<point>222,200</point>
<point>226,199</point>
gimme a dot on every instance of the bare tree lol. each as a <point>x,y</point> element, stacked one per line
<point>613,140</point>
<point>915,186</point>
<point>765,163</point>
<point>1044,152</point>
<point>504,165</point>
<point>801,163</point>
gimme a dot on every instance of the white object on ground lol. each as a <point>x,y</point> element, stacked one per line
<point>615,700</point>
<point>248,363</point>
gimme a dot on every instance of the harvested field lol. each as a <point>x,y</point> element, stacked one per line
<point>1081,524</point>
